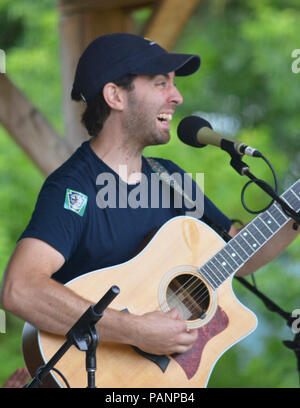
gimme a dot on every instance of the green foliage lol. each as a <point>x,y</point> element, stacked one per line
<point>251,42</point>
<point>11,27</point>
<point>33,64</point>
<point>246,75</point>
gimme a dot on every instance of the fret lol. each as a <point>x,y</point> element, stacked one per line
<point>218,276</point>
<point>256,233</point>
<point>237,248</point>
<point>251,240</point>
<point>243,243</point>
<point>213,272</point>
<point>207,274</point>
<point>292,200</point>
<point>228,268</point>
<point>234,255</point>
<point>217,265</point>
<point>268,212</point>
<point>281,210</point>
<point>262,227</point>
<point>296,188</point>
<point>230,259</point>
<point>240,248</point>
<point>297,206</point>
<point>277,214</point>
<point>269,221</point>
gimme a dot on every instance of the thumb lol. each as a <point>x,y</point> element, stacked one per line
<point>174,314</point>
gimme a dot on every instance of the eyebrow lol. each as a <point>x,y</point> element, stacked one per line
<point>154,75</point>
<point>167,76</point>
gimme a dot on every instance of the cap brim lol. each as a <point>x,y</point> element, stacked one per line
<point>182,64</point>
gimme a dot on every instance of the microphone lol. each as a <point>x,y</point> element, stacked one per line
<point>197,132</point>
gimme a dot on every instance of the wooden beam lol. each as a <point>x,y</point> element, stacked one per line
<point>71,6</point>
<point>77,30</point>
<point>168,20</point>
<point>30,129</point>
<point>80,23</point>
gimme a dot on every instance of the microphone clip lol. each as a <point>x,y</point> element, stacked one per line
<point>236,161</point>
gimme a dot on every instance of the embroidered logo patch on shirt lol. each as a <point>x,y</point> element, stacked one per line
<point>75,201</point>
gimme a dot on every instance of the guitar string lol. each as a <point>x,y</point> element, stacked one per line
<point>203,288</point>
<point>185,288</point>
<point>193,306</point>
<point>178,291</point>
<point>200,301</point>
<point>215,276</point>
<point>161,175</point>
<point>199,293</point>
<point>198,297</point>
<point>196,301</point>
<point>203,293</point>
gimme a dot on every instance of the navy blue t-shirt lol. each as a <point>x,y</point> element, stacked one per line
<point>81,211</point>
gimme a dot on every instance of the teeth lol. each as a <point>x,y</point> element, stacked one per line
<point>165,116</point>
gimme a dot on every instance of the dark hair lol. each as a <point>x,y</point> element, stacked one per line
<point>97,110</point>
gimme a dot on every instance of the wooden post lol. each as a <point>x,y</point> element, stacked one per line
<point>80,23</point>
<point>78,27</point>
<point>168,20</point>
<point>30,129</point>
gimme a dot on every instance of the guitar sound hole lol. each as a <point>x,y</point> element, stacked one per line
<point>189,295</point>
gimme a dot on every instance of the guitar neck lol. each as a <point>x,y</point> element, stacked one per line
<point>248,241</point>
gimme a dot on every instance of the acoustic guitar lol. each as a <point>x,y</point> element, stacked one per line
<point>185,265</point>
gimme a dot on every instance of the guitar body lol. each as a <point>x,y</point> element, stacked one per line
<point>163,275</point>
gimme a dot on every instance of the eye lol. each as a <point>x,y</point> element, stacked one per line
<point>162,84</point>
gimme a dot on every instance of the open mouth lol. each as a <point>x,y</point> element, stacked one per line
<point>164,118</point>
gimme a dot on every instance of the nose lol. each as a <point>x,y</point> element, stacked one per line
<point>175,95</point>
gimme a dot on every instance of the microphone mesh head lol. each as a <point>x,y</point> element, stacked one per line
<point>188,128</point>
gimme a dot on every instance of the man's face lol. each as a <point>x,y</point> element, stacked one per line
<point>150,106</point>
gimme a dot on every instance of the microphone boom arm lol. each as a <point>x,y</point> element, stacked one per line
<point>243,169</point>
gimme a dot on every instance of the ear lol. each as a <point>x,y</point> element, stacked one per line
<point>114,96</point>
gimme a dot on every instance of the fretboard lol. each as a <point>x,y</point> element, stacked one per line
<point>248,241</point>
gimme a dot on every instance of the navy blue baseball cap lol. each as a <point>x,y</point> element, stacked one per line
<point>112,56</point>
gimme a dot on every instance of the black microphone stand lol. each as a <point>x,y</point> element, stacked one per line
<point>294,344</point>
<point>243,169</point>
<point>270,305</point>
<point>84,336</point>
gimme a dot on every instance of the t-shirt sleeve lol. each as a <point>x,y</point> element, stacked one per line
<point>206,207</point>
<point>58,216</point>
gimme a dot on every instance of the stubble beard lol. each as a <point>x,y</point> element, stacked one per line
<point>140,125</point>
